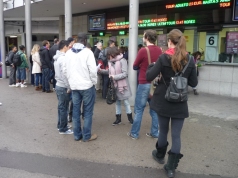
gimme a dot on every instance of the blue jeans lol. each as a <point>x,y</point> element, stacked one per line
<point>127,106</point>
<point>21,73</point>
<point>88,99</point>
<point>38,80</point>
<point>142,95</point>
<point>45,79</point>
<point>105,83</point>
<point>63,104</point>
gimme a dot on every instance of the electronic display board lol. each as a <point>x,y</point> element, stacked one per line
<point>150,23</point>
<point>219,3</point>
<point>235,10</point>
<point>97,22</point>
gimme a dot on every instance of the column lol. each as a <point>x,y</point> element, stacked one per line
<point>28,34</point>
<point>68,18</point>
<point>133,38</point>
<point>2,41</point>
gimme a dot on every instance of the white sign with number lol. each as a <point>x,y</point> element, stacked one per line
<point>211,40</point>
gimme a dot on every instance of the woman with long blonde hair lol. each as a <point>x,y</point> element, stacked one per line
<point>171,62</point>
<point>36,68</point>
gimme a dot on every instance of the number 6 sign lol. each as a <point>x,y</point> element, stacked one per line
<point>211,40</point>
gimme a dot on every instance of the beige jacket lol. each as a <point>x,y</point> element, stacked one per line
<point>36,63</point>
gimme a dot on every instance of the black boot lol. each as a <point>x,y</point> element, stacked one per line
<point>195,92</point>
<point>130,119</point>
<point>172,163</point>
<point>118,120</point>
<point>159,153</point>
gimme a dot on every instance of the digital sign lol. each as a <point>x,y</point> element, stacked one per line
<point>150,23</point>
<point>96,22</point>
<point>122,32</point>
<point>235,11</point>
<point>221,3</point>
<point>101,34</point>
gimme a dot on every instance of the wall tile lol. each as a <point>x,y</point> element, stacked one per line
<point>235,75</point>
<point>204,73</point>
<point>203,86</point>
<point>214,87</point>
<point>215,73</point>
<point>234,91</point>
<point>225,88</point>
<point>226,73</point>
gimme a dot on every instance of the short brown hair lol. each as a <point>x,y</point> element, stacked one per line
<point>113,51</point>
<point>150,35</point>
<point>45,42</point>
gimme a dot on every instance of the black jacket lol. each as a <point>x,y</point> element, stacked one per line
<point>45,58</point>
<point>10,57</point>
<point>53,50</point>
<point>158,102</point>
<point>96,53</point>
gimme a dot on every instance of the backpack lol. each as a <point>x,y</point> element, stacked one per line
<point>7,63</point>
<point>17,59</point>
<point>177,91</point>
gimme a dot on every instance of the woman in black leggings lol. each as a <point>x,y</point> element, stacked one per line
<point>172,61</point>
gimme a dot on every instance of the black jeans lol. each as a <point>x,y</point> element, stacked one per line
<point>176,127</point>
<point>45,79</point>
<point>105,83</point>
<point>12,77</point>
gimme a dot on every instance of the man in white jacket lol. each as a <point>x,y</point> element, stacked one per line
<point>81,72</point>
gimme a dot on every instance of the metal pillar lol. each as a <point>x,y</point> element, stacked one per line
<point>133,38</point>
<point>28,34</point>
<point>2,41</point>
<point>68,18</point>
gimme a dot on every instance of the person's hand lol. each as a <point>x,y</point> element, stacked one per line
<point>27,70</point>
<point>68,91</point>
<point>1,64</point>
<point>13,66</point>
<point>111,76</point>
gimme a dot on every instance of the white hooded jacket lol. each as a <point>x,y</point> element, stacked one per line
<point>80,68</point>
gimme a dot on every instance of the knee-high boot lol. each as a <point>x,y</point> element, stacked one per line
<point>159,153</point>
<point>172,163</point>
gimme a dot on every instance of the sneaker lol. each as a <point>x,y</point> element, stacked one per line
<point>129,134</point>
<point>24,83</point>
<point>50,91</point>
<point>13,85</point>
<point>23,86</point>
<point>67,132</point>
<point>149,135</point>
<point>18,84</point>
<point>68,127</point>
<point>93,137</point>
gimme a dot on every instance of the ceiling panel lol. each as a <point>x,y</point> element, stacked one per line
<point>55,8</point>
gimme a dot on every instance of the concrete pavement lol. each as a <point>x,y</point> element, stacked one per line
<point>28,133</point>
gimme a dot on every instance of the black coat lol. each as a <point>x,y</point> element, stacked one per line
<point>45,58</point>
<point>53,50</point>
<point>158,102</point>
<point>96,53</point>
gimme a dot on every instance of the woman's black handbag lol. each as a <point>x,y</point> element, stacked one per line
<point>111,93</point>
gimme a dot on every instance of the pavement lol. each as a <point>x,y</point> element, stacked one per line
<point>32,147</point>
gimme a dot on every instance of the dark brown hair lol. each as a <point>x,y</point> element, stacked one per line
<point>45,42</point>
<point>179,58</point>
<point>150,35</point>
<point>113,51</point>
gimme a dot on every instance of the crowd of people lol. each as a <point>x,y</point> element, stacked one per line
<point>76,72</point>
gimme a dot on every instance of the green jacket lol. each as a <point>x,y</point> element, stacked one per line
<point>23,59</point>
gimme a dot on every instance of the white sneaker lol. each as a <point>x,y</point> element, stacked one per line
<point>23,86</point>
<point>12,85</point>
<point>24,83</point>
<point>67,132</point>
<point>18,84</point>
<point>68,127</point>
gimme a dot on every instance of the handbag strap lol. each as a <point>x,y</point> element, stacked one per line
<point>148,54</point>
<point>184,69</point>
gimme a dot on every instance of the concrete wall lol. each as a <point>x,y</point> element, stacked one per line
<point>218,80</point>
<point>80,24</point>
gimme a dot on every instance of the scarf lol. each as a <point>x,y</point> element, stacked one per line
<point>115,69</point>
